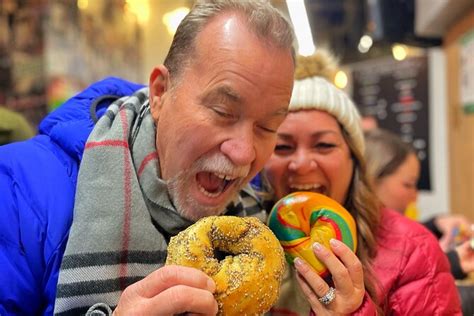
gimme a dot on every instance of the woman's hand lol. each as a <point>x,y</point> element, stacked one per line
<point>347,274</point>
<point>169,290</point>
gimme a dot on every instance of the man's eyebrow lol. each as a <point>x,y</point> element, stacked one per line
<point>222,92</point>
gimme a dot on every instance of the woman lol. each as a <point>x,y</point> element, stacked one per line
<point>394,169</point>
<point>399,267</point>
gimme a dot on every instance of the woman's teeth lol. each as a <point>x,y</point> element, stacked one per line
<point>305,187</point>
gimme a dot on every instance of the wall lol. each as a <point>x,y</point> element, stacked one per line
<point>157,40</point>
<point>437,200</point>
<point>460,125</point>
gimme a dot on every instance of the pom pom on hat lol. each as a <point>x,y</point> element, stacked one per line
<point>311,91</point>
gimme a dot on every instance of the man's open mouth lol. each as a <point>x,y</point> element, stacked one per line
<point>214,184</point>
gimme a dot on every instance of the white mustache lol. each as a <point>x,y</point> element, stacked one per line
<point>220,164</point>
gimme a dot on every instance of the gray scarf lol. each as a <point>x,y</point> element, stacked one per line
<point>123,216</point>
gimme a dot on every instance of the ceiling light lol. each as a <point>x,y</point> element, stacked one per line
<point>299,18</point>
<point>340,80</point>
<point>399,52</point>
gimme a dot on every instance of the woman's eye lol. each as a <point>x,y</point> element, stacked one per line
<point>325,145</point>
<point>410,186</point>
<point>280,148</point>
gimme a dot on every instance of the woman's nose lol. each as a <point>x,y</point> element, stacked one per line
<point>302,163</point>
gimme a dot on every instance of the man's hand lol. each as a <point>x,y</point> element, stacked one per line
<point>169,290</point>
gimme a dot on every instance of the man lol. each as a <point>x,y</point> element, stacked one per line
<point>154,163</point>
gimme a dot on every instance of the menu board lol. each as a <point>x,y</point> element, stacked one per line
<point>394,94</point>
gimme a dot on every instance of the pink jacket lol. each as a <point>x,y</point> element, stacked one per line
<point>413,274</point>
<point>413,271</point>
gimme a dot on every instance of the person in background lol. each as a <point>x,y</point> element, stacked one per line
<point>399,267</point>
<point>394,169</point>
<point>158,159</point>
<point>13,127</point>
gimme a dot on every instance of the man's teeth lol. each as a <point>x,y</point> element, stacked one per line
<point>226,177</point>
<point>305,187</point>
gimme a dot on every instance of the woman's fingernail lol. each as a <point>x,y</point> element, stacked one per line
<point>317,246</point>
<point>298,262</point>
<point>334,243</point>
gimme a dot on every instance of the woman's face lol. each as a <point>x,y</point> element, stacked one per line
<point>310,155</point>
<point>398,189</point>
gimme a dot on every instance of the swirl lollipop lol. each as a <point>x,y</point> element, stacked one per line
<point>302,218</point>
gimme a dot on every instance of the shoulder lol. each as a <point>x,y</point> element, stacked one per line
<point>409,261</point>
<point>409,239</point>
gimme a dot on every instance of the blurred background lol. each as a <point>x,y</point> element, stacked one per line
<point>408,64</point>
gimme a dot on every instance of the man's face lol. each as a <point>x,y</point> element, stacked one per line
<point>217,126</point>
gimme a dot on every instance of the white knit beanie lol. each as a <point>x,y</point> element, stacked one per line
<point>316,93</point>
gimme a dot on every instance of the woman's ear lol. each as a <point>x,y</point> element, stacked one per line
<point>159,81</point>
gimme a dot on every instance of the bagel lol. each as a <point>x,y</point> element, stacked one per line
<point>242,256</point>
<point>303,218</point>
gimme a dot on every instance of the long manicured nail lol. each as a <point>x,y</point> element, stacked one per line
<point>317,246</point>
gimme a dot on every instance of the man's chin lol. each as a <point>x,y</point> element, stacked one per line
<point>194,213</point>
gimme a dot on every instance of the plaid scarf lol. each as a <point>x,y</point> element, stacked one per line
<point>123,216</point>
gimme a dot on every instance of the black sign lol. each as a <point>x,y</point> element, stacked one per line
<point>395,94</point>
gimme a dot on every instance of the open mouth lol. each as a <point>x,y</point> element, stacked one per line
<point>214,184</point>
<point>309,187</point>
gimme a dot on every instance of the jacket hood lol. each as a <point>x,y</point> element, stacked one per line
<point>70,125</point>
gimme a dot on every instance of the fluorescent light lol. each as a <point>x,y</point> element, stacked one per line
<point>299,18</point>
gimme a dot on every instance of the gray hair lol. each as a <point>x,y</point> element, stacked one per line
<point>268,24</point>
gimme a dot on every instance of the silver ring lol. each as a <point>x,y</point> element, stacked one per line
<point>328,297</point>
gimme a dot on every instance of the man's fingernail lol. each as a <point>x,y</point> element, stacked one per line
<point>211,285</point>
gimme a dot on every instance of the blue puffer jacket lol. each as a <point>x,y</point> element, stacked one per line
<point>37,187</point>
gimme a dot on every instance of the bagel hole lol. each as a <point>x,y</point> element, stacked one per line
<point>220,254</point>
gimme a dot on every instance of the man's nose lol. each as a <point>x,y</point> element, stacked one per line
<point>302,163</point>
<point>240,148</point>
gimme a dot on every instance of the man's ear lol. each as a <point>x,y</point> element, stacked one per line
<point>159,82</point>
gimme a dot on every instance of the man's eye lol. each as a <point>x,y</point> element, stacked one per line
<point>267,129</point>
<point>223,114</point>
